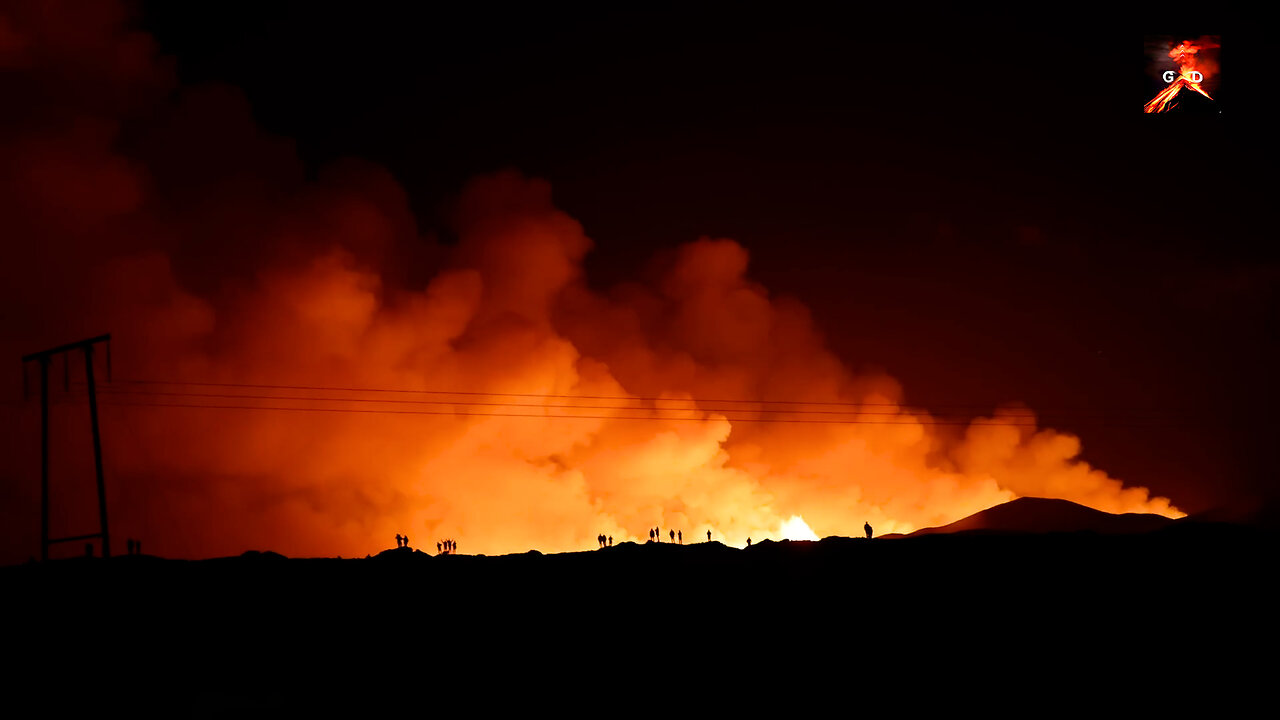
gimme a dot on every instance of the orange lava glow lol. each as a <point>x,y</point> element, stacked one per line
<point>510,314</point>
<point>1184,56</point>
<point>547,411</point>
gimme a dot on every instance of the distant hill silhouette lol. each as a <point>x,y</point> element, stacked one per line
<point>401,552</point>
<point>1263,513</point>
<point>260,555</point>
<point>1047,515</point>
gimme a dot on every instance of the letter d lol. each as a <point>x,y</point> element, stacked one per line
<point>1196,76</point>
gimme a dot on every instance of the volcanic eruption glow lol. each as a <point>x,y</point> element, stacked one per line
<point>363,379</point>
<point>795,528</point>
<point>1190,75</point>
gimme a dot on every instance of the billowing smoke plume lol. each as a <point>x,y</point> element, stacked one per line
<point>164,216</point>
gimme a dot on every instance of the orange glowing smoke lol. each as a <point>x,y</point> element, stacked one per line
<point>1184,56</point>
<point>210,256</point>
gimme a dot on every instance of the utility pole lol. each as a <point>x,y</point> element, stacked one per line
<point>45,358</point>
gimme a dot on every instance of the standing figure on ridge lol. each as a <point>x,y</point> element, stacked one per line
<point>867,528</point>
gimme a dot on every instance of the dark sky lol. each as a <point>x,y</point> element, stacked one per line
<point>972,202</point>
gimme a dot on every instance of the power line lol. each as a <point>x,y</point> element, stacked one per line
<point>652,418</point>
<point>934,417</point>
<point>474,393</point>
<point>898,407</point>
<point>474,403</point>
<point>911,421</point>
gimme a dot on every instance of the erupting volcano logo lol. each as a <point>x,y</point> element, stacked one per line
<point>1195,61</point>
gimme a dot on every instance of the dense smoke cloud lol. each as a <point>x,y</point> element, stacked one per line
<point>164,216</point>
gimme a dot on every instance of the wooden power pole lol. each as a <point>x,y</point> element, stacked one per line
<point>45,358</point>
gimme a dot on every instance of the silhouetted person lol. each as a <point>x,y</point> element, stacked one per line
<point>406,541</point>
<point>748,542</point>
<point>650,534</point>
<point>438,548</point>
<point>708,536</point>
<point>866,527</point>
<point>680,536</point>
<point>399,540</point>
<point>672,533</point>
<point>610,541</point>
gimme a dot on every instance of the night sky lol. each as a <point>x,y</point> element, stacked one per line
<point>972,203</point>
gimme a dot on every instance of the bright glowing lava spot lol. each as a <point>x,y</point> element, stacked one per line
<point>797,529</point>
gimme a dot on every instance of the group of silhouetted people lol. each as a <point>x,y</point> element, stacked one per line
<point>135,546</point>
<point>655,535</point>
<point>445,547</point>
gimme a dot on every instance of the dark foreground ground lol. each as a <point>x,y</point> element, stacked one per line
<point>782,629</point>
